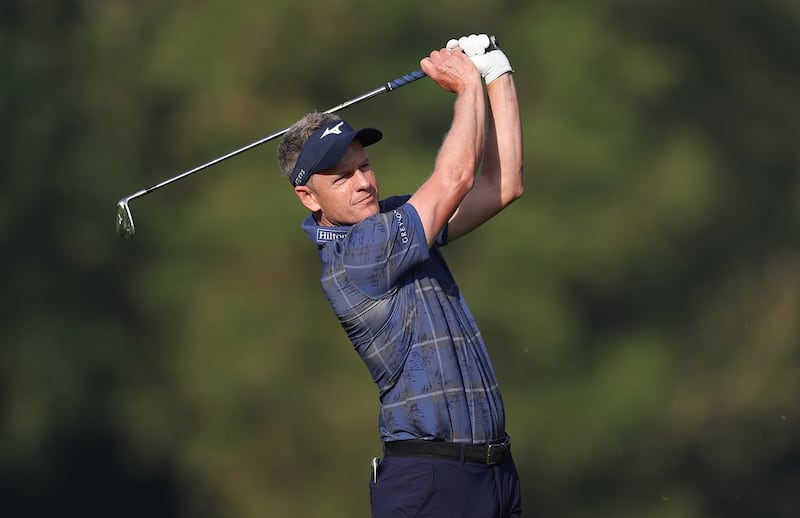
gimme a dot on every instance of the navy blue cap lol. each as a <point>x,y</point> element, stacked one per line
<point>326,146</point>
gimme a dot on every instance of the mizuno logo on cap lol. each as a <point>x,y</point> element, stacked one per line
<point>335,130</point>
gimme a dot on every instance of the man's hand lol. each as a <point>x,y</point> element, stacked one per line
<point>491,64</point>
<point>451,70</point>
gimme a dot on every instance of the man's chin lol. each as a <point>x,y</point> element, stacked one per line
<point>369,206</point>
<point>360,212</point>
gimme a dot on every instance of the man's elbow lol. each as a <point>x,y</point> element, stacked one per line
<point>515,189</point>
<point>465,180</point>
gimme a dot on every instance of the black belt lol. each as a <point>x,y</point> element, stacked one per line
<point>489,454</point>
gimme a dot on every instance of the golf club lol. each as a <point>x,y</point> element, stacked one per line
<point>125,226</point>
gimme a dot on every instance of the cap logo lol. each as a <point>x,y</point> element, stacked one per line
<point>336,130</point>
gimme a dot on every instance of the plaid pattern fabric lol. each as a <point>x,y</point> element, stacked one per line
<point>406,317</point>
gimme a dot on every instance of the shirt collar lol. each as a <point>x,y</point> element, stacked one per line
<point>323,235</point>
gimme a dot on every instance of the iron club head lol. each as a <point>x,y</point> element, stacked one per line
<point>125,226</point>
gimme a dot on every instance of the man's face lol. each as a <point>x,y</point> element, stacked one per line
<point>345,194</point>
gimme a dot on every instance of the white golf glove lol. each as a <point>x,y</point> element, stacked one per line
<point>490,64</point>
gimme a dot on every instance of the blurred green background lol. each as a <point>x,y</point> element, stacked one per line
<point>640,302</point>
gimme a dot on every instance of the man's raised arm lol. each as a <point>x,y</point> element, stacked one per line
<point>457,161</point>
<point>501,177</point>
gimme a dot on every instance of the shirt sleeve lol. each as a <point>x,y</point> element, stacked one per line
<point>381,250</point>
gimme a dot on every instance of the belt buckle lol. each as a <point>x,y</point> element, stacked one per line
<point>495,453</point>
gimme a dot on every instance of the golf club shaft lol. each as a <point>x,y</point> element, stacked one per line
<point>387,87</point>
<point>125,224</point>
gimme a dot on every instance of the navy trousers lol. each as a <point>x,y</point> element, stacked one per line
<point>432,487</point>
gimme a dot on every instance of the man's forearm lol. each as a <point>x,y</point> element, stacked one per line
<point>463,147</point>
<point>503,156</point>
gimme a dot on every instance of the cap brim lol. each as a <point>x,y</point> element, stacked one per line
<point>368,136</point>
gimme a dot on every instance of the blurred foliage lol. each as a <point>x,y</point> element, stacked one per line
<point>641,301</point>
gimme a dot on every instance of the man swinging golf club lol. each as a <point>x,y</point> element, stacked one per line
<point>442,421</point>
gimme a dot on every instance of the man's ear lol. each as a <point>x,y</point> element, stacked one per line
<point>307,197</point>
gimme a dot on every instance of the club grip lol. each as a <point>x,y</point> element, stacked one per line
<point>405,79</point>
<point>419,74</point>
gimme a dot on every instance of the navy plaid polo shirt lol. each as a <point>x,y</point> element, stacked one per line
<point>407,319</point>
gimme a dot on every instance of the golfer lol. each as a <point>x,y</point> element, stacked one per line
<point>442,422</point>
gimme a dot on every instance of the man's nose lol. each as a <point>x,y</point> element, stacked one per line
<point>363,178</point>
